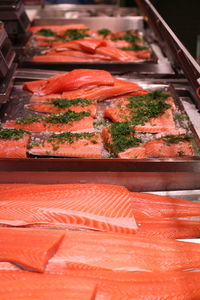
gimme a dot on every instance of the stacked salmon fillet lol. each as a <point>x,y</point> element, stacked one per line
<point>96,241</point>
<point>78,43</point>
<point>66,113</point>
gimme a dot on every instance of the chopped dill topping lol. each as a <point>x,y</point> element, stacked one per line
<point>145,107</point>
<point>28,120</point>
<point>16,134</point>
<point>104,31</point>
<point>63,102</point>
<point>66,117</point>
<point>123,137</point>
<point>69,137</point>
<point>127,37</point>
<point>175,139</point>
<point>46,32</point>
<point>76,34</point>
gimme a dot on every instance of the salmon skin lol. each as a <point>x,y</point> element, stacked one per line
<point>29,248</point>
<point>68,121</point>
<point>29,286</point>
<point>61,105</point>
<point>70,81</point>
<point>155,206</point>
<point>13,143</point>
<point>101,207</point>
<point>122,252</point>
<point>120,87</point>
<point>69,145</point>
<point>167,146</point>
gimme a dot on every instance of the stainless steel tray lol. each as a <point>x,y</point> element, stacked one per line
<point>157,64</point>
<point>180,173</point>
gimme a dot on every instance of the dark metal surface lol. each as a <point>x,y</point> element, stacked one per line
<point>173,47</point>
<point>134,181</point>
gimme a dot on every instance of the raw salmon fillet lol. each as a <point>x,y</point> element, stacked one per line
<point>88,45</point>
<point>69,145</point>
<point>29,248</point>
<point>158,148</point>
<point>167,228</point>
<point>120,87</point>
<point>76,79</point>
<point>29,286</point>
<point>101,207</point>
<point>55,123</point>
<point>124,252</point>
<point>115,54</point>
<point>50,107</point>
<point>16,145</point>
<point>162,206</point>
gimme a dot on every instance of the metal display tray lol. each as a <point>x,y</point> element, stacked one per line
<point>181,172</point>
<point>157,64</point>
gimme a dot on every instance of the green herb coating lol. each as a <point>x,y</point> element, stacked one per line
<point>123,137</point>
<point>145,107</point>
<point>28,120</point>
<point>63,102</point>
<point>16,134</point>
<point>104,31</point>
<point>46,32</point>
<point>175,139</point>
<point>66,117</point>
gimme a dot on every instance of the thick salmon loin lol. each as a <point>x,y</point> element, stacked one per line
<point>98,93</point>
<point>29,248</point>
<point>124,252</point>
<point>101,207</point>
<point>29,286</point>
<point>69,145</point>
<point>70,81</point>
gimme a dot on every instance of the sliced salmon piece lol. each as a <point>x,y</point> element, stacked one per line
<point>118,44</point>
<point>114,53</point>
<point>120,87</point>
<point>33,86</point>
<point>90,45</point>
<point>122,252</point>
<point>99,207</point>
<point>69,145</point>
<point>51,108</point>
<point>44,38</point>
<point>57,28</point>
<point>167,228</point>
<point>159,148</point>
<point>76,79</point>
<point>119,137</point>
<point>78,122</point>
<point>135,152</point>
<point>165,122</point>
<point>28,286</point>
<point>27,247</point>
<point>156,206</point>
<point>13,143</point>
